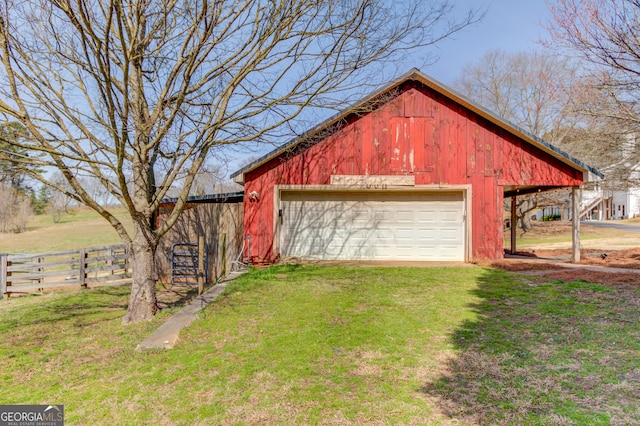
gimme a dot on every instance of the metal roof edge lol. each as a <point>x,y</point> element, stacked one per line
<point>207,198</point>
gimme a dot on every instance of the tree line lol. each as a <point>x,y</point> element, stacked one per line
<point>22,196</point>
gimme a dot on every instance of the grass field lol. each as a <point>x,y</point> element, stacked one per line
<point>337,345</point>
<point>83,228</point>
<point>558,233</point>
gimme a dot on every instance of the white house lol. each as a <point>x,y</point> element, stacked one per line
<point>618,197</point>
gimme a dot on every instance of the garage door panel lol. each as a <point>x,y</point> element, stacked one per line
<point>375,226</point>
<point>449,232</point>
<point>450,217</point>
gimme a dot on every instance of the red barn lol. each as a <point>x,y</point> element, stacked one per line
<point>413,172</point>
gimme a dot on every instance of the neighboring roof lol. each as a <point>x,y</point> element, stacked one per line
<point>229,197</point>
<point>417,75</point>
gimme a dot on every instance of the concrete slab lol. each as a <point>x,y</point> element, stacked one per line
<point>166,336</point>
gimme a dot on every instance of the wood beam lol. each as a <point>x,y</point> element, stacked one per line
<point>534,190</point>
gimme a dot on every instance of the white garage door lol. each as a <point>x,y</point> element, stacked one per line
<point>423,226</point>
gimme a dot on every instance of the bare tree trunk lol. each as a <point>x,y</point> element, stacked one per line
<point>524,220</point>
<point>143,303</point>
<point>525,204</point>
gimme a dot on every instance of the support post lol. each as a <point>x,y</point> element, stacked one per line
<point>514,225</point>
<point>576,195</point>
<point>200,264</point>
<point>601,208</point>
<point>111,255</point>
<point>82,275</point>
<point>3,275</point>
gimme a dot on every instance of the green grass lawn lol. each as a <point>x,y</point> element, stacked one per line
<point>338,345</point>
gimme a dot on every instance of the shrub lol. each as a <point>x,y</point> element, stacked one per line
<point>15,210</point>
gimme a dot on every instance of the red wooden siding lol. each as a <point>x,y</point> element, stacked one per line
<point>420,133</point>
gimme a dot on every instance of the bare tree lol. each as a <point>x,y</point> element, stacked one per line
<point>213,179</point>
<point>604,34</point>
<point>60,201</point>
<point>532,90</point>
<point>97,191</point>
<point>137,93</point>
<point>15,210</point>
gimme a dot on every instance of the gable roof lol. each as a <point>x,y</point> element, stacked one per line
<point>415,74</point>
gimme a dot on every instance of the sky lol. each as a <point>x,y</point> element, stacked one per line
<point>509,25</point>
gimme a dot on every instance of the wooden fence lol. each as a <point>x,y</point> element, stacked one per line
<point>25,273</point>
<point>221,226</point>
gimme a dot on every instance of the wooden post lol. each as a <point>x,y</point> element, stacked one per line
<point>127,260</point>
<point>223,254</point>
<point>514,225</point>
<point>3,277</point>
<point>200,264</point>
<point>111,255</point>
<point>576,195</point>
<point>81,269</point>
<point>40,270</point>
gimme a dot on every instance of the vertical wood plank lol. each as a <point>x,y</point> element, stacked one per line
<point>488,148</point>
<point>223,254</point>
<point>364,159</point>
<point>200,264</point>
<point>480,153</point>
<point>471,150</point>
<point>461,150</point>
<point>497,156</point>
<point>369,153</point>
